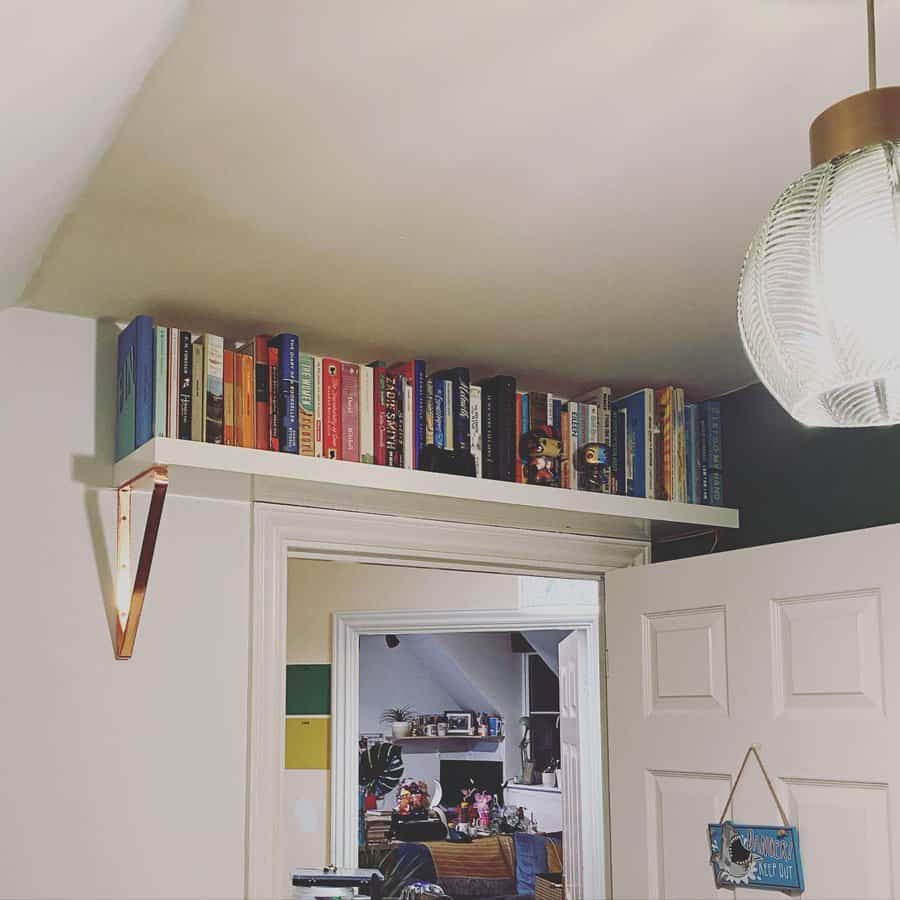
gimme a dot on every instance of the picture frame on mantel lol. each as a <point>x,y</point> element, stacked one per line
<point>458,722</point>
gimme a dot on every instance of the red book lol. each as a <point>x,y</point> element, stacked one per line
<point>272,421</point>
<point>350,412</point>
<point>378,417</point>
<point>261,383</point>
<point>228,394</point>
<point>331,409</point>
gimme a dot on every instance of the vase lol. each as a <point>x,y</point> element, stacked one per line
<point>548,779</point>
<point>401,729</point>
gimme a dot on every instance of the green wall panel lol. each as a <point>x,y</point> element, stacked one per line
<point>308,690</point>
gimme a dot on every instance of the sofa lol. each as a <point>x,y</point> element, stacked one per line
<point>501,867</point>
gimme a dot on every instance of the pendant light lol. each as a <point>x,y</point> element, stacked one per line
<point>819,293</point>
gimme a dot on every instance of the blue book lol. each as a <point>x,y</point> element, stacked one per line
<point>639,410</point>
<point>437,385</point>
<point>135,386</point>
<point>526,414</point>
<point>459,406</point>
<point>288,403</point>
<point>711,413</point>
<point>557,415</point>
<point>692,456</point>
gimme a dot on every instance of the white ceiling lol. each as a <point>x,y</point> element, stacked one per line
<point>560,190</point>
<point>67,74</point>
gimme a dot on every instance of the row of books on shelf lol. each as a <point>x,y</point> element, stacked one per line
<point>265,393</point>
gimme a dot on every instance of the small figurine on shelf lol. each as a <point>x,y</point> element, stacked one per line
<point>412,799</point>
<point>541,449</point>
<point>592,463</point>
<point>483,802</point>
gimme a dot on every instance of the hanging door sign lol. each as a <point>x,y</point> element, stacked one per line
<point>756,856</point>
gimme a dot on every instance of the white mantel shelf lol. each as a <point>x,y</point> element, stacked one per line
<point>238,473</point>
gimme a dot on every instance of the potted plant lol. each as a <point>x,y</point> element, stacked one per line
<point>400,720</point>
<point>548,776</point>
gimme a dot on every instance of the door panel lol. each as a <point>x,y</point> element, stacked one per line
<point>780,646</point>
<point>572,672</point>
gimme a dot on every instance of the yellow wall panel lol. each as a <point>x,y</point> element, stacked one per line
<point>306,742</point>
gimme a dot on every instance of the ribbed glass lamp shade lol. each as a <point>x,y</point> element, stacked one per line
<point>819,294</point>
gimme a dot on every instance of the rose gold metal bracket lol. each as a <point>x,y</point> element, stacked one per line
<point>129,610</point>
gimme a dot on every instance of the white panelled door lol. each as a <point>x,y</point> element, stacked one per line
<point>572,675</point>
<point>794,647</point>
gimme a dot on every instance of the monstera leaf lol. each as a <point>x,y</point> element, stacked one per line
<point>380,768</point>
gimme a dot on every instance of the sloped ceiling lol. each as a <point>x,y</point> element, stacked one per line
<point>563,190</point>
<point>69,72</point>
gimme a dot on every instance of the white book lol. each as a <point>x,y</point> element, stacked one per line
<point>592,432</point>
<point>173,383</point>
<point>573,445</point>
<point>449,443</point>
<point>475,426</point>
<point>549,409</point>
<point>409,426</point>
<point>366,414</point>
<point>317,371</point>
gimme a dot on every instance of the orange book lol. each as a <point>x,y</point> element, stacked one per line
<point>228,383</point>
<point>665,422</point>
<point>245,401</point>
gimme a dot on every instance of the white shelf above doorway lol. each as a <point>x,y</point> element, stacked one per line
<point>237,473</point>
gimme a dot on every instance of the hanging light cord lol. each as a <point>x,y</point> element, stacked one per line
<point>870,18</point>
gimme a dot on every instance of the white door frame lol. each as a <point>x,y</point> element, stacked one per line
<point>349,627</point>
<point>281,533</point>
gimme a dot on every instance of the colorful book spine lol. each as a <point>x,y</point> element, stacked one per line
<point>160,380</point>
<point>262,380</point>
<point>393,419</point>
<point>448,414</point>
<point>288,394</point>
<point>125,391</point>
<point>537,409</point>
<point>409,423</point>
<point>307,401</point>
<point>185,384</point>
<point>557,414</point>
<point>319,406</point>
<point>228,427</point>
<point>565,462</point>
<point>475,428</point>
<point>429,412</point>
<point>574,410</point>
<point>331,408</point>
<point>712,420</point>
<point>692,457</point>
<point>214,379</point>
<point>421,407</point>
<point>198,392</point>
<point>379,412</point>
<point>366,415</point>
<point>680,450</point>
<point>274,399</point>
<point>437,387</point>
<point>350,412</point>
<point>172,361</point>
<point>521,428</point>
<point>245,397</point>
<point>639,408</point>
<point>665,420</point>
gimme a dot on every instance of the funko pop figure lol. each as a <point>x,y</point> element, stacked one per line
<point>592,463</point>
<point>541,449</point>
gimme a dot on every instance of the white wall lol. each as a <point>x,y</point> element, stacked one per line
<point>118,779</point>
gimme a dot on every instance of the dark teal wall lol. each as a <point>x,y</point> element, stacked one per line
<point>789,481</point>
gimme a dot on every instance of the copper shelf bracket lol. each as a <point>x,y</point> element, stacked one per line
<point>130,595</point>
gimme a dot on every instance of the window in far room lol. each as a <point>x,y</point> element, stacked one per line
<point>542,701</point>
